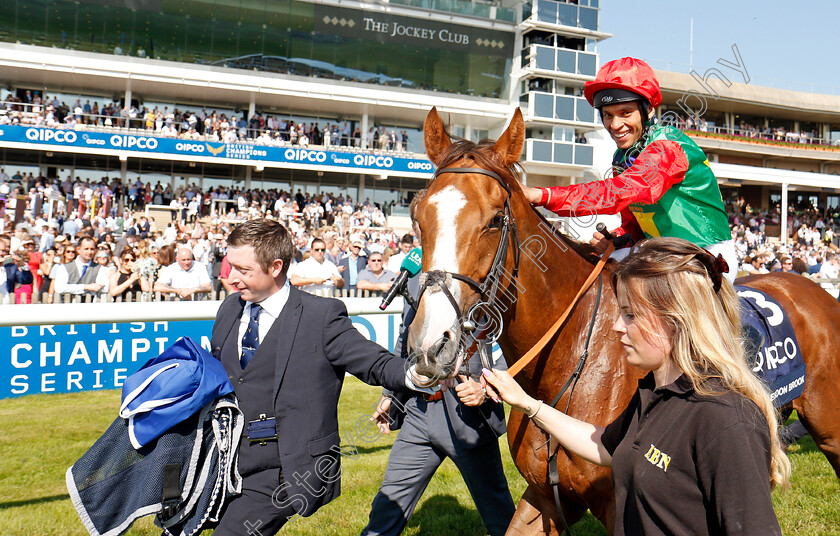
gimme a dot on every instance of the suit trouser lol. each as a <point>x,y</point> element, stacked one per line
<point>254,513</point>
<point>416,455</point>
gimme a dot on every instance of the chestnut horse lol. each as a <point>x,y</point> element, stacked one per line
<point>473,212</point>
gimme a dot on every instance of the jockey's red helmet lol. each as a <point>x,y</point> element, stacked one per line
<point>623,80</point>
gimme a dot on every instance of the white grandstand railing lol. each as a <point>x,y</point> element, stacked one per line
<point>107,313</point>
<point>36,115</point>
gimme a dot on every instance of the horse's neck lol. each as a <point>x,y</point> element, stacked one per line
<point>550,274</point>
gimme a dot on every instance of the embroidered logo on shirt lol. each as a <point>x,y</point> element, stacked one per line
<point>658,458</point>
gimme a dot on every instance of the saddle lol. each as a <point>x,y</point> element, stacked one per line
<point>772,349</point>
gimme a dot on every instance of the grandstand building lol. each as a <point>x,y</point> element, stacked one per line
<point>137,88</point>
<point>370,70</point>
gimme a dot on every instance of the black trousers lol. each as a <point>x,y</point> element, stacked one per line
<point>261,510</point>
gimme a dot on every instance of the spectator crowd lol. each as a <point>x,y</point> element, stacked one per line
<point>75,241</point>
<point>89,239</point>
<point>811,249</point>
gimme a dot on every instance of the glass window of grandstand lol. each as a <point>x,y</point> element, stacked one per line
<point>711,121</point>
<point>778,129</point>
<point>286,37</point>
<point>567,13</point>
<point>834,134</point>
<point>749,126</point>
<point>809,132</point>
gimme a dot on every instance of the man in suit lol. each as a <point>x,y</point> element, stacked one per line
<point>82,275</point>
<point>462,424</point>
<point>286,353</point>
<point>352,264</point>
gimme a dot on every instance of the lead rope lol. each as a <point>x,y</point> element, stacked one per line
<point>553,472</point>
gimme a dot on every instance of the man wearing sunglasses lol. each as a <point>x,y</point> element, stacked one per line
<point>316,274</point>
<point>375,277</point>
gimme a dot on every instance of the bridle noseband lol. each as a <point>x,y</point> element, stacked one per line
<point>487,289</point>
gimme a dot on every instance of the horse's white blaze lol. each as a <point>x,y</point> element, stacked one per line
<point>439,313</point>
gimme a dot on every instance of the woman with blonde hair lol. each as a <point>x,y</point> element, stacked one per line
<point>696,451</point>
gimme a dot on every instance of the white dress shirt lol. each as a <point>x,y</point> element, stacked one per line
<point>271,309</point>
<point>312,268</point>
<point>62,279</point>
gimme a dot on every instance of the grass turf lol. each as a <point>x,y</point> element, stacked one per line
<point>44,434</point>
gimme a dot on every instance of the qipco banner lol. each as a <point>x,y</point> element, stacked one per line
<point>87,357</point>
<point>55,138</point>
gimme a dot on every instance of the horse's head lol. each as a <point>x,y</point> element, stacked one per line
<point>465,223</point>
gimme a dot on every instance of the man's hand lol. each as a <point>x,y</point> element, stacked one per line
<point>380,416</point>
<point>470,392</point>
<point>94,287</point>
<point>533,195</point>
<point>185,293</point>
<point>599,242</point>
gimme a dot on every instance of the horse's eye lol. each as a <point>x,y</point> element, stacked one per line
<point>497,221</point>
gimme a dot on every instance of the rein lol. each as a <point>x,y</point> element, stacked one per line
<point>529,356</point>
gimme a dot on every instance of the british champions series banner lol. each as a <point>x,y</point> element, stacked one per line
<point>363,162</point>
<point>86,357</point>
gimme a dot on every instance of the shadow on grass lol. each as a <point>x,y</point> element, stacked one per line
<point>805,445</point>
<point>38,500</point>
<point>443,514</point>
<point>368,450</point>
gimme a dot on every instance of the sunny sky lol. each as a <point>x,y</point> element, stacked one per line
<point>784,44</point>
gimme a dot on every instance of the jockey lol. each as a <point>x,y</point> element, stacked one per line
<point>662,183</point>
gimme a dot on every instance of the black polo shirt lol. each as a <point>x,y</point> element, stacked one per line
<point>683,463</point>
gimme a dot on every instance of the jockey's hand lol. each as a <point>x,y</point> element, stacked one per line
<point>533,195</point>
<point>380,416</point>
<point>470,392</point>
<point>599,242</point>
<point>508,389</point>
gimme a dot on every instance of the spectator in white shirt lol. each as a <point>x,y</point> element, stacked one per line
<point>406,243</point>
<point>185,279</point>
<point>316,274</point>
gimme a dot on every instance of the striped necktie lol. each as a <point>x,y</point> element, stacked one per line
<point>251,339</point>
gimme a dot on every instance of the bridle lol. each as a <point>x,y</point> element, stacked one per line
<point>488,306</point>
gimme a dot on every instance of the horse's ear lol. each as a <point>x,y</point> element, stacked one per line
<point>510,143</point>
<point>435,137</point>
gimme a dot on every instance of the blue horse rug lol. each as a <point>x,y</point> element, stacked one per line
<point>777,359</point>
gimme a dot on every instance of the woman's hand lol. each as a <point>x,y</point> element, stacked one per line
<point>510,391</point>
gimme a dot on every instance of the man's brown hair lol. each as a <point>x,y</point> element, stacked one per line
<point>269,239</point>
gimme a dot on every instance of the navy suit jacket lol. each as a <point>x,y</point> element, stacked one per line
<point>361,264</point>
<point>308,377</point>
<point>16,275</point>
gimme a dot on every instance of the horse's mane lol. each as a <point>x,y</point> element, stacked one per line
<point>483,156</point>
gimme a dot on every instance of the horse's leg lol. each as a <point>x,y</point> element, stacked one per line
<point>536,515</point>
<point>820,418</point>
